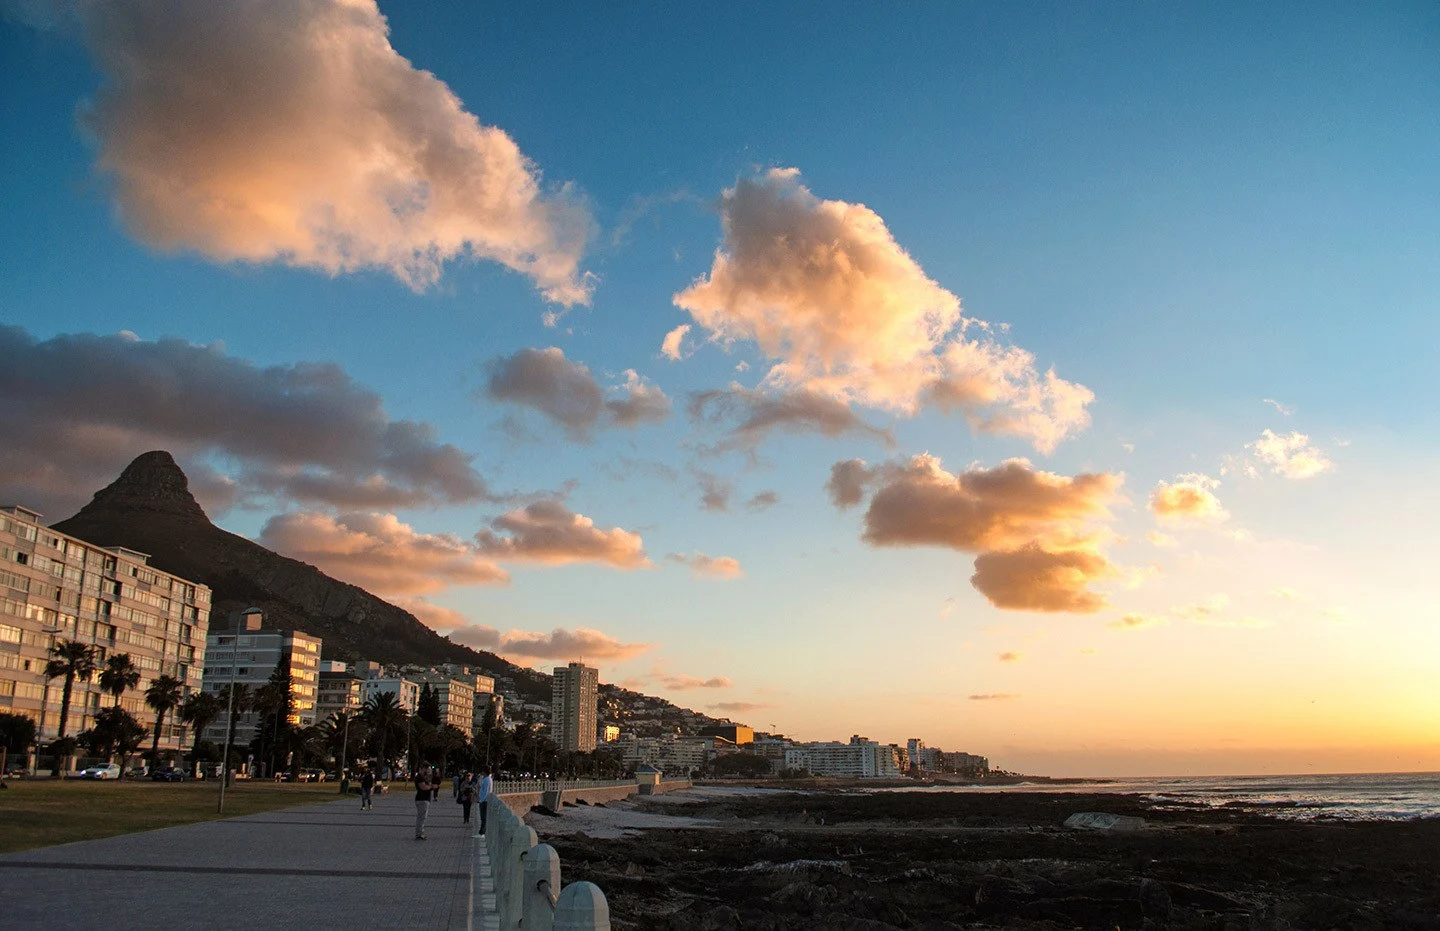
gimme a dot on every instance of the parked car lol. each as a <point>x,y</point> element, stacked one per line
<point>314,775</point>
<point>168,774</point>
<point>108,771</point>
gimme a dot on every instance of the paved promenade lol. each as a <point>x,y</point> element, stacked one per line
<point>318,866</point>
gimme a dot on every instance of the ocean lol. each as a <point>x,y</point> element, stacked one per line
<point>1346,797</point>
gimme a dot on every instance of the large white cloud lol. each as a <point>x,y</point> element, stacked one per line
<point>823,289</point>
<point>292,131</point>
<point>1290,455</point>
<point>1190,497</point>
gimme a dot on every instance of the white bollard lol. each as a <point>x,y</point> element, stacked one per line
<point>516,850</point>
<point>542,885</point>
<point>582,907</point>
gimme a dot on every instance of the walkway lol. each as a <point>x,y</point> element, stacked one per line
<point>318,866</point>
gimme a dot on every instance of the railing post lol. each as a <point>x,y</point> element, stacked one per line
<point>542,885</point>
<point>517,848</point>
<point>582,907</point>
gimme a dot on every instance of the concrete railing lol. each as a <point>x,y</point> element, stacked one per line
<point>526,880</point>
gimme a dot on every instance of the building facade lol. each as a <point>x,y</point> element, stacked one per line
<point>406,693</point>
<point>574,705</point>
<point>338,690</point>
<point>249,657</point>
<point>56,587</point>
<point>858,759</point>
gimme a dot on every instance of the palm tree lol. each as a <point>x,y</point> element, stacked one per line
<point>72,660</point>
<point>199,710</point>
<point>385,716</point>
<point>162,695</point>
<point>238,699</point>
<point>119,675</point>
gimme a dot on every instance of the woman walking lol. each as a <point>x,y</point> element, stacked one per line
<point>465,795</point>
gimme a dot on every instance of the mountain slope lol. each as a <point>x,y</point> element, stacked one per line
<point>149,508</point>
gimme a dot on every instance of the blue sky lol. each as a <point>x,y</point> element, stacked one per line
<point>1186,211</point>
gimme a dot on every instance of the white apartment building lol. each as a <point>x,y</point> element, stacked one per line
<point>57,587</point>
<point>574,706</point>
<point>407,693</point>
<point>250,656</point>
<point>670,754</point>
<point>859,759</point>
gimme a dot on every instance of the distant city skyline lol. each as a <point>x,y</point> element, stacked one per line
<point>1052,383</point>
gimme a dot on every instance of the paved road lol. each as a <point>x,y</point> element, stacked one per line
<point>317,866</point>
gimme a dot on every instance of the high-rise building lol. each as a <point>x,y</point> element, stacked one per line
<point>56,587</point>
<point>250,657</point>
<point>574,701</point>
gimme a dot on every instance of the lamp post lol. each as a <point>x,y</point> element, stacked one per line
<point>249,621</point>
<point>344,746</point>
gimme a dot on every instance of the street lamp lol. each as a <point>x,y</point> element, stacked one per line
<point>249,621</point>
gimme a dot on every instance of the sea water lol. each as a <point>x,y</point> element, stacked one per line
<point>1348,797</point>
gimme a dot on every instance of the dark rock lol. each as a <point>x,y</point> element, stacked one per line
<point>1000,893</point>
<point>1154,899</point>
<point>721,918</point>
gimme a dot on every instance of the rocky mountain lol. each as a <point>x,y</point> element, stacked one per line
<point>149,508</point>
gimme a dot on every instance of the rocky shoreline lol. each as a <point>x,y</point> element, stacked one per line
<point>925,860</point>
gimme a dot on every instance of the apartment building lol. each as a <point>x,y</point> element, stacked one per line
<point>860,759</point>
<point>250,656</point>
<point>574,706</point>
<point>57,587</point>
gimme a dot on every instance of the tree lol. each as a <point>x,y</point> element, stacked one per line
<point>276,704</point>
<point>119,675</point>
<point>162,696</point>
<point>199,710</point>
<point>387,720</point>
<point>71,660</point>
<point>428,709</point>
<point>488,726</point>
<point>343,736</point>
<point>740,764</point>
<point>17,736</point>
<point>115,732</point>
<point>449,742</point>
<point>237,699</point>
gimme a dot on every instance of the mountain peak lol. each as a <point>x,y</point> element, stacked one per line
<point>152,483</point>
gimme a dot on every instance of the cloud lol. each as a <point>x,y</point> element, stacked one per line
<point>715,492</point>
<point>1211,613</point>
<point>1287,593</point>
<point>670,347</point>
<point>714,567</point>
<point>1035,579</point>
<point>687,683</point>
<point>947,607</point>
<point>752,414</point>
<point>567,392</point>
<point>1138,622</point>
<point>1291,455</point>
<point>1029,528</point>
<point>1338,615</point>
<point>304,432</point>
<point>272,131</point>
<point>1161,540</point>
<point>561,645</point>
<point>762,501</point>
<point>547,532</point>
<point>436,617</point>
<point>1284,409</point>
<point>826,292</point>
<point>1010,656</point>
<point>379,553</point>
<point>995,696</point>
<point>1188,498</point>
<point>739,707</point>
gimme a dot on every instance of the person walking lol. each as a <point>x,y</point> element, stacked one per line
<point>424,790</point>
<point>456,781</point>
<point>482,795</point>
<point>465,795</point>
<point>367,789</point>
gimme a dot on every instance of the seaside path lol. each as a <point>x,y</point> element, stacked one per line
<point>329,865</point>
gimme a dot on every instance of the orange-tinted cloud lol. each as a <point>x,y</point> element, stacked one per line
<point>684,683</point>
<point>714,567</point>
<point>559,644</point>
<point>1030,529</point>
<point>379,553</point>
<point>762,501</point>
<point>295,133</point>
<point>824,290</point>
<point>1010,656</point>
<point>994,696</point>
<point>1138,622</point>
<point>739,707</point>
<point>567,392</point>
<point>672,346</point>
<point>548,532</point>
<point>1036,579</point>
<point>1188,498</point>
<point>436,617</point>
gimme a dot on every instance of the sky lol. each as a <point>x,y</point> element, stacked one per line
<point>1052,382</point>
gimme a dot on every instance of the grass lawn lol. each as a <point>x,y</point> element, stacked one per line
<point>41,812</point>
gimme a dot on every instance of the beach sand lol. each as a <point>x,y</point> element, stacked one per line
<point>724,859</point>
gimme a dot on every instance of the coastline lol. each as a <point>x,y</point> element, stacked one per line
<point>727,858</point>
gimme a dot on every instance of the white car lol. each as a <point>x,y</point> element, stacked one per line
<point>110,771</point>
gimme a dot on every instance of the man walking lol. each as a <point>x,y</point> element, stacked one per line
<point>423,789</point>
<point>487,789</point>
<point>367,788</point>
